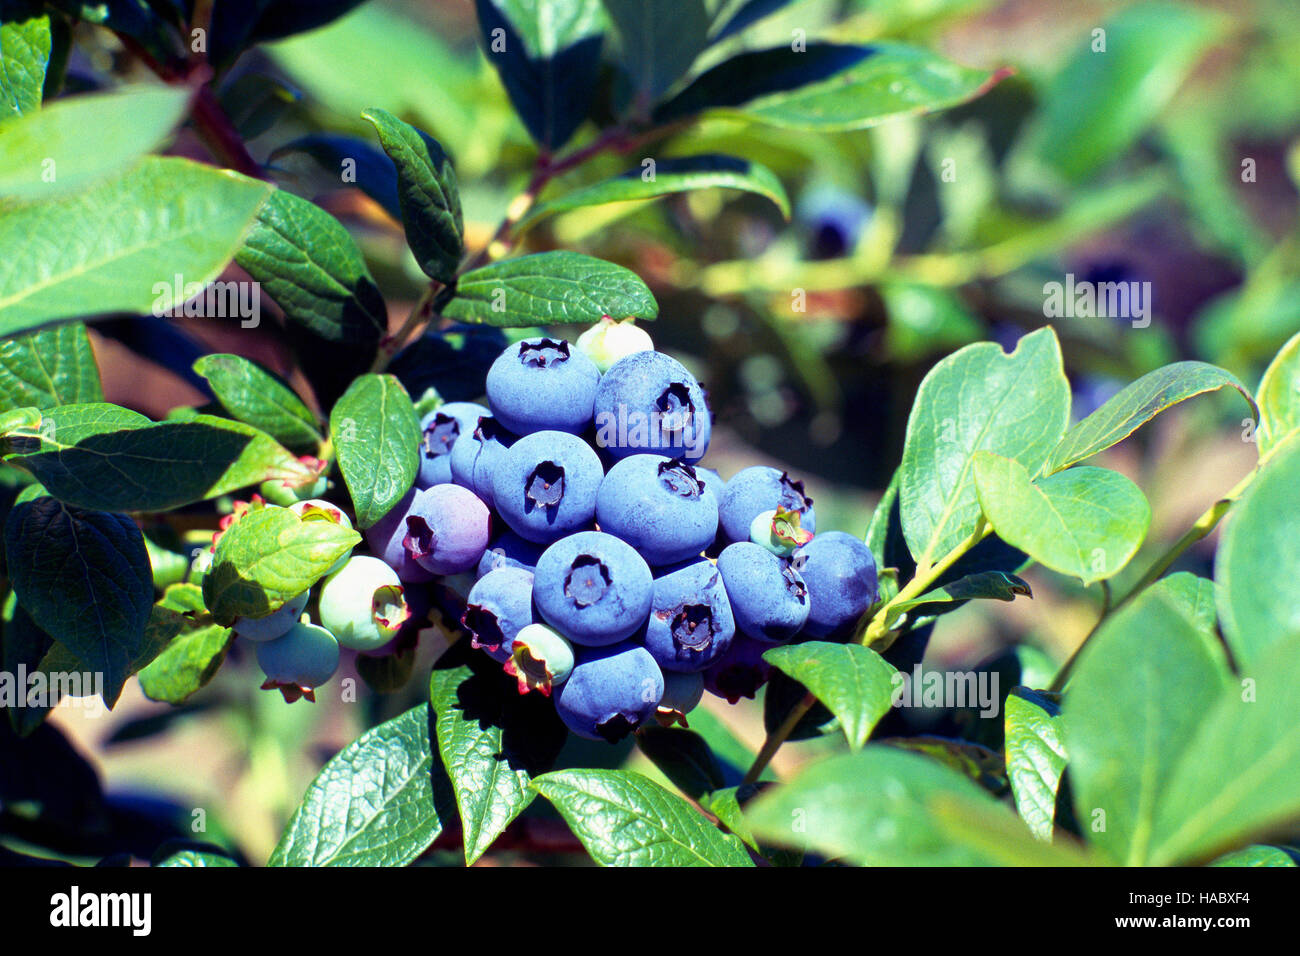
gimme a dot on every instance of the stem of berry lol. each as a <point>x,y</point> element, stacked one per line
<point>778,736</point>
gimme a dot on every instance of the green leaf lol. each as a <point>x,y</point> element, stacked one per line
<point>742,16</point>
<point>267,557</point>
<point>24,55</point>
<point>376,437</point>
<point>978,398</point>
<point>1279,398</point>
<point>373,804</point>
<point>255,396</point>
<point>547,53</point>
<point>829,87</point>
<point>624,819</point>
<point>163,217</point>
<point>429,196</point>
<point>684,758</point>
<point>74,142</point>
<point>195,858</point>
<point>84,577</point>
<point>549,288</point>
<point>186,663</point>
<point>239,24</point>
<point>1142,686</point>
<point>856,684</point>
<point>373,170</point>
<point>1086,522</point>
<point>47,368</point>
<point>669,176</point>
<point>1256,856</point>
<point>883,806</point>
<point>1136,405</point>
<point>926,319</point>
<point>990,585</point>
<point>23,645</point>
<point>1035,757</point>
<point>104,457</point>
<point>1193,597</point>
<point>1257,567</point>
<point>306,261</point>
<point>658,42</point>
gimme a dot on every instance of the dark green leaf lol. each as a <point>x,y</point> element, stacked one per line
<point>1035,757</point>
<point>989,585</point>
<point>684,757</point>
<point>376,437</point>
<point>47,368</point>
<point>254,395</point>
<point>856,684</point>
<point>193,858</point>
<point>351,161</point>
<point>24,53</point>
<point>239,24</point>
<point>658,41</point>
<point>23,645</point>
<point>744,15</point>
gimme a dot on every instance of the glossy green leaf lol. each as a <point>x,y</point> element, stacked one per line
<point>1193,596</point>
<point>306,261</point>
<point>195,858</point>
<point>251,394</point>
<point>667,177</point>
<point>373,804</point>
<point>657,42</point>
<point>376,437</point>
<point>353,161</point>
<point>1142,687</point>
<point>624,819</point>
<point>1035,757</point>
<point>427,191</point>
<point>1257,567</point>
<point>1279,398</point>
<point>683,756</point>
<point>1086,522</point>
<point>856,684</point>
<point>1256,856</point>
<point>84,577</point>
<point>988,585</point>
<point>1136,405</point>
<point>165,216</point>
<point>186,663</point>
<point>978,398</point>
<point>47,368</point>
<point>268,556</point>
<point>24,55</point>
<point>549,288</point>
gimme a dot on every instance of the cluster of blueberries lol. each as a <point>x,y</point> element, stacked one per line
<point>600,564</point>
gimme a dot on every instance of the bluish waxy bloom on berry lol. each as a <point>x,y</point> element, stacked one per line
<point>447,529</point>
<point>740,672</point>
<point>275,624</point>
<point>363,604</point>
<point>759,488</point>
<point>840,573</point>
<point>540,659</point>
<point>385,539</point>
<point>648,403</point>
<point>299,661</point>
<point>690,622</point>
<point>593,588</point>
<point>439,431</point>
<point>659,506</point>
<point>769,600</point>
<point>508,550</point>
<point>713,481</point>
<point>542,384</point>
<point>545,485</point>
<point>499,606</point>
<point>608,341</point>
<point>682,694</point>
<point>611,692</point>
<point>475,455</point>
<point>317,509</point>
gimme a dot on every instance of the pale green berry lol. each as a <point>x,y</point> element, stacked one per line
<point>540,659</point>
<point>363,604</point>
<point>302,659</point>
<point>270,626</point>
<point>778,531</point>
<point>608,341</point>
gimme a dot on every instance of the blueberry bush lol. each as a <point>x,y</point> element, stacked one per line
<point>488,521</point>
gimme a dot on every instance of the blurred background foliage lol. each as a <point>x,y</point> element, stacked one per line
<point>1171,157</point>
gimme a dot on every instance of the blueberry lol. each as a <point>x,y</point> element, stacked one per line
<point>682,694</point>
<point>542,384</point>
<point>545,485</point>
<point>508,550</point>
<point>611,692</point>
<point>740,672</point>
<point>759,488</point>
<point>275,624</point>
<point>475,456</point>
<point>659,506</point>
<point>540,659</point>
<point>712,480</point>
<point>608,341</point>
<point>363,604</point>
<point>386,536</point>
<point>305,657</point>
<point>499,606</point>
<point>447,529</point>
<point>779,531</point>
<point>840,573</point>
<point>648,403</point>
<point>769,599</point>
<point>593,588</point>
<point>690,618</point>
<point>438,433</point>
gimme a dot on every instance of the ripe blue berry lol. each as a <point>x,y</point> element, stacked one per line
<point>690,618</point>
<point>593,588</point>
<point>386,536</point>
<point>447,529</point>
<point>439,431</point>
<point>540,659</point>
<point>648,403</point>
<point>611,692</point>
<point>840,573</point>
<point>759,488</point>
<point>302,659</point>
<point>769,599</point>
<point>275,624</point>
<point>508,550</point>
<point>499,606</point>
<point>475,455</point>
<point>740,672</point>
<point>545,485</point>
<point>659,506</point>
<point>542,384</point>
<point>363,604</point>
<point>682,694</point>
